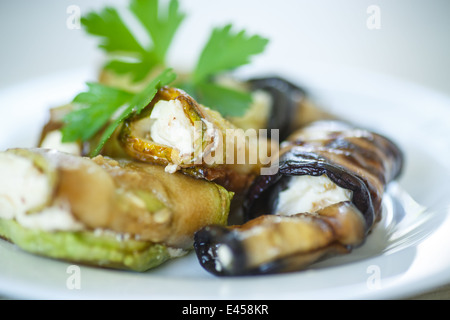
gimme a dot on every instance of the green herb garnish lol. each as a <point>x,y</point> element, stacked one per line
<point>100,103</point>
<point>97,107</point>
<point>224,52</point>
<point>130,56</point>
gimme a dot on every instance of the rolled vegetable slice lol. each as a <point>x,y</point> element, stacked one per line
<point>290,106</point>
<point>180,134</point>
<point>103,212</point>
<point>275,243</point>
<point>164,132</point>
<point>344,153</point>
<point>324,200</point>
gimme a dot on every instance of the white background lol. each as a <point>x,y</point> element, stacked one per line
<point>412,44</point>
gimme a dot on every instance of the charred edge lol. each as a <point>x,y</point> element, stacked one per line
<point>206,242</point>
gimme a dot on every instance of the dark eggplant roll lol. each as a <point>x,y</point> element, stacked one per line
<point>352,158</point>
<point>291,106</point>
<point>278,104</point>
<point>324,200</point>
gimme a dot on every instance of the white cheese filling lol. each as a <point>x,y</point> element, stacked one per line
<point>171,127</point>
<point>55,218</point>
<point>308,194</point>
<point>23,187</point>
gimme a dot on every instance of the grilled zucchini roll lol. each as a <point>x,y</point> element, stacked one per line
<point>324,200</point>
<point>277,103</point>
<point>180,134</point>
<point>117,214</point>
<point>176,132</point>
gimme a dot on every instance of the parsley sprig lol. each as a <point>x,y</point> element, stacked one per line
<point>98,105</point>
<point>223,52</point>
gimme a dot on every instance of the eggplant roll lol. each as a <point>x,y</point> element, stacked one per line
<point>324,200</point>
<point>277,104</point>
<point>103,212</point>
<point>288,106</point>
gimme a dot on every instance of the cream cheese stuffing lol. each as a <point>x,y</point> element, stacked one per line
<point>308,194</point>
<point>171,126</point>
<point>24,189</point>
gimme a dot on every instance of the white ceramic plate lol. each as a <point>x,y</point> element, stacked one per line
<point>407,253</point>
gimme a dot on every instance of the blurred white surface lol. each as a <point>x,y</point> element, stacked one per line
<point>412,42</point>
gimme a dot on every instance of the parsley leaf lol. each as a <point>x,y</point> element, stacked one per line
<point>98,105</point>
<point>131,57</point>
<point>138,102</point>
<point>225,100</point>
<point>223,52</point>
<point>101,102</point>
<point>160,25</point>
<point>113,32</point>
